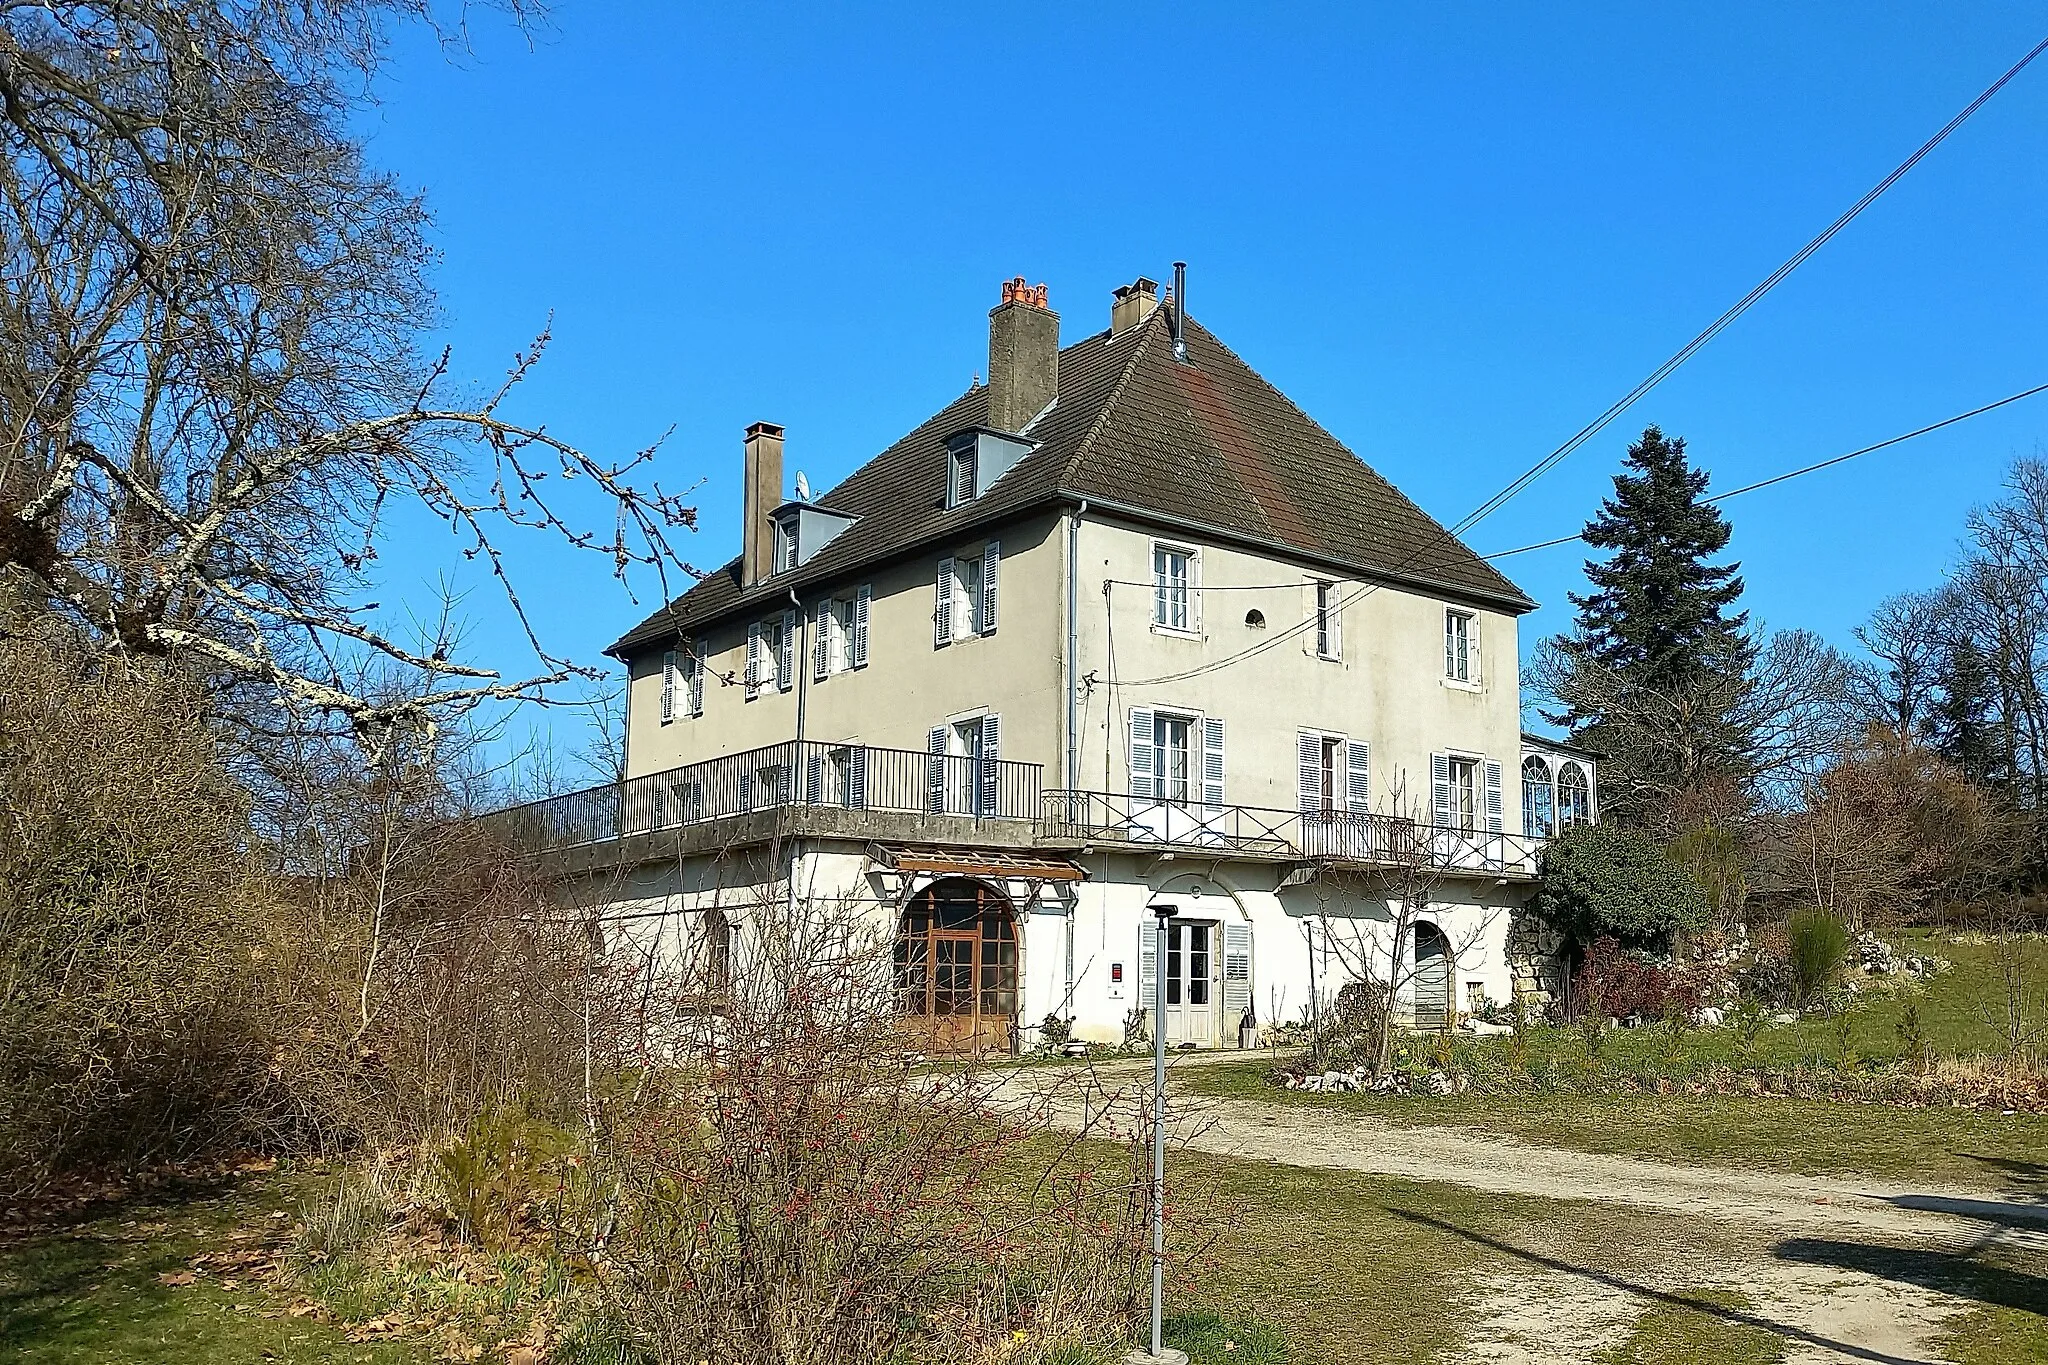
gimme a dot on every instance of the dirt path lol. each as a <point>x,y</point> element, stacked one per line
<point>1841,1270</point>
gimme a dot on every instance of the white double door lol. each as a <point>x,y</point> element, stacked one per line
<point>1194,981</point>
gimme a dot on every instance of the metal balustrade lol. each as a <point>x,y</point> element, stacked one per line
<point>1343,836</point>
<point>812,774</point>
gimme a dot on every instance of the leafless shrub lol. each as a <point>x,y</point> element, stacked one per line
<point>791,1186</point>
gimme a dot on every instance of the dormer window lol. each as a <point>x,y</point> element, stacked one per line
<point>976,459</point>
<point>960,487</point>
<point>786,543</point>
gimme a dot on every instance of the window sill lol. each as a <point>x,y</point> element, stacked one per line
<point>1175,632</point>
<point>1329,658</point>
<point>1459,685</point>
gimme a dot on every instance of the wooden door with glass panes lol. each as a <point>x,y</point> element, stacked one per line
<point>956,968</point>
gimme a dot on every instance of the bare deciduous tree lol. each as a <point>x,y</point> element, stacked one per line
<point>212,407</point>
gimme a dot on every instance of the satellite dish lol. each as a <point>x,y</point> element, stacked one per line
<point>803,487</point>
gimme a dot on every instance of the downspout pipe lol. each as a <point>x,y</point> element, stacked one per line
<point>1073,707</point>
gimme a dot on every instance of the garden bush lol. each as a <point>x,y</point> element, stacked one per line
<point>1601,881</point>
<point>1817,946</point>
<point>1616,983</point>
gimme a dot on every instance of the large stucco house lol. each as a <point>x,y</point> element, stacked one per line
<point>1121,624</point>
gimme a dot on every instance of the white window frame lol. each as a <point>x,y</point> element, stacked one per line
<point>785,543</point>
<point>1471,679</point>
<point>1474,821</point>
<point>969,601</point>
<point>1329,617</point>
<point>1161,612</point>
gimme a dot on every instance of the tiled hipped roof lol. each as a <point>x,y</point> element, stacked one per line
<point>1206,445</point>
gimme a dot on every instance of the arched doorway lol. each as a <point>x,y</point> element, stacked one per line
<point>1432,987</point>
<point>956,966</point>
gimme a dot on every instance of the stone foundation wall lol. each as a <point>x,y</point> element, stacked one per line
<point>1536,957</point>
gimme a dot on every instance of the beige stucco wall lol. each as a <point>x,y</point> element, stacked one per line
<point>1388,689</point>
<point>909,684</point>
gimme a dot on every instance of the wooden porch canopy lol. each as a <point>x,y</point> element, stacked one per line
<point>991,863</point>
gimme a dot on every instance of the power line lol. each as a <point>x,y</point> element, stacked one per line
<point>1741,306</point>
<point>1291,632</point>
<point>1805,469</point>
<point>1656,377</point>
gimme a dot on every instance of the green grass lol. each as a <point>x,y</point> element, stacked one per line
<point>1334,1267</point>
<point>1957,1009</point>
<point>1805,1137</point>
<point>1703,1325</point>
<point>90,1291</point>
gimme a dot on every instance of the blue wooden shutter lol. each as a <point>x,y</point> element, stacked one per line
<point>1148,965</point>
<point>1237,971</point>
<point>942,609</point>
<point>1493,802</point>
<point>694,675</point>
<point>991,562</point>
<point>746,792</point>
<point>991,744</point>
<point>1360,783</point>
<point>935,772</point>
<point>814,776</point>
<point>1212,760</point>
<point>821,649</point>
<point>857,777</point>
<point>754,660</point>
<point>785,656</point>
<point>1144,767</point>
<point>668,687</point>
<point>862,595</point>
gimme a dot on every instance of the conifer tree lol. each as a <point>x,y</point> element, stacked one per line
<point>1658,605</point>
<point>1658,660</point>
<point>1962,729</point>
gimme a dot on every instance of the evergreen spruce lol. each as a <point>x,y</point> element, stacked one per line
<point>1660,618</point>
<point>1962,729</point>
<point>1658,606</point>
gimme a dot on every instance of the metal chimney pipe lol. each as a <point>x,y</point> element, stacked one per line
<point>1180,310</point>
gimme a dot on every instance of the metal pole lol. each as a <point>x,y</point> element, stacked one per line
<point>1163,912</point>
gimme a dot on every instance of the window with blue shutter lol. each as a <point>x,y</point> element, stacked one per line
<point>991,564</point>
<point>935,772</point>
<point>1144,765</point>
<point>862,596</point>
<point>1212,760</point>
<point>989,784</point>
<point>942,605</point>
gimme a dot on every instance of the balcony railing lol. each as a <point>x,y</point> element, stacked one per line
<point>812,774</point>
<point>1341,836</point>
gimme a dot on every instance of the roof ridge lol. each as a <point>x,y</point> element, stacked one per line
<point>1147,329</point>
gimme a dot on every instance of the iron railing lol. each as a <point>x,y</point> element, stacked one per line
<point>1341,836</point>
<point>809,773</point>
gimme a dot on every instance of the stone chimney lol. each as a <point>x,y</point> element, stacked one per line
<point>763,494</point>
<point>1132,304</point>
<point>1023,356</point>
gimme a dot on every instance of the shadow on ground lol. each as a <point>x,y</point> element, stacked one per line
<point>1959,1273</point>
<point>1784,1330</point>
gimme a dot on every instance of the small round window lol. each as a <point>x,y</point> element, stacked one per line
<point>1255,618</point>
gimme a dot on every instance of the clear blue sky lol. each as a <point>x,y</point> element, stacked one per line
<point>1453,233</point>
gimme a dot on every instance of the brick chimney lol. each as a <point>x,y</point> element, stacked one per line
<point>763,494</point>
<point>1132,304</point>
<point>1023,356</point>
